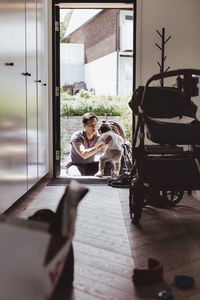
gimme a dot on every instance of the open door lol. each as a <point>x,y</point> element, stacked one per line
<point>57,5</point>
<point>56,88</point>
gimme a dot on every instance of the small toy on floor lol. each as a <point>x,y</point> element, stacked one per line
<point>165,294</point>
<point>184,281</point>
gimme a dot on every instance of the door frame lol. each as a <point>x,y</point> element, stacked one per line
<point>56,70</point>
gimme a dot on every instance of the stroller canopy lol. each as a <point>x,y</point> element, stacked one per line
<point>162,102</point>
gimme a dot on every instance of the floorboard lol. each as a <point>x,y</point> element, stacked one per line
<point>172,236</point>
<point>103,259</point>
<point>107,246</point>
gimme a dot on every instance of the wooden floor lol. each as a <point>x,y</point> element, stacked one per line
<point>108,247</point>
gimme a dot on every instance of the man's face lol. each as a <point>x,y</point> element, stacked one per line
<point>91,126</point>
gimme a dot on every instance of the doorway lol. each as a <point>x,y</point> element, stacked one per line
<point>90,82</point>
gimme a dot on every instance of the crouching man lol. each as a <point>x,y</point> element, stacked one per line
<point>84,148</point>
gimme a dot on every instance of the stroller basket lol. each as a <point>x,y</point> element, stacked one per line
<point>173,172</point>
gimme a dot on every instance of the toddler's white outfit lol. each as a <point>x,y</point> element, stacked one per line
<point>113,152</point>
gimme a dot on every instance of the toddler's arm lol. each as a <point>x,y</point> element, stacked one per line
<point>120,140</point>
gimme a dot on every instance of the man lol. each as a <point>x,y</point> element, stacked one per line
<point>83,149</point>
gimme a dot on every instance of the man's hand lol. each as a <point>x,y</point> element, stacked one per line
<point>101,145</point>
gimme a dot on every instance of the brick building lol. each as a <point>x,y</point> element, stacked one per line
<point>108,48</point>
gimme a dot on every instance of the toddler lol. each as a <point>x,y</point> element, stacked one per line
<point>113,150</point>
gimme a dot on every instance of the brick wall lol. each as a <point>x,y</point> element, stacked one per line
<point>98,35</point>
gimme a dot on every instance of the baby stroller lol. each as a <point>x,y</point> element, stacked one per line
<point>167,136</point>
<point>126,161</point>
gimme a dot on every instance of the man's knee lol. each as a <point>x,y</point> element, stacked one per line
<point>73,171</point>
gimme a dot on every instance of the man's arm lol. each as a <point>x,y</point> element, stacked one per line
<point>83,152</point>
<point>86,153</point>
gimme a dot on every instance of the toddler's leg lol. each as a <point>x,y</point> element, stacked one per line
<point>117,155</point>
<point>117,167</point>
<point>103,159</point>
<point>102,162</point>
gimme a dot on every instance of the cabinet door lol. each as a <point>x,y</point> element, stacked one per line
<point>42,65</point>
<point>31,92</point>
<point>13,176</point>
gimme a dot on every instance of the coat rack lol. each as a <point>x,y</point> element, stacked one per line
<point>163,57</point>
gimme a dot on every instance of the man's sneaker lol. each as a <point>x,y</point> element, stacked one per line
<point>99,174</point>
<point>122,182</point>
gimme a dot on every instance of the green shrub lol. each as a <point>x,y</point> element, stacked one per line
<point>127,127</point>
<point>99,110</point>
<point>84,102</point>
<point>84,94</point>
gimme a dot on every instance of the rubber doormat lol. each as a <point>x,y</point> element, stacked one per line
<point>65,181</point>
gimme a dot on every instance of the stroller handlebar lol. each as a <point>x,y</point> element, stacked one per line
<point>173,73</point>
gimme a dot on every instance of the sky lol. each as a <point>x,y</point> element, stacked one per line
<point>79,17</point>
<point>63,12</point>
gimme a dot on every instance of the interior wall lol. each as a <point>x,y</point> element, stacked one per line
<point>181,20</point>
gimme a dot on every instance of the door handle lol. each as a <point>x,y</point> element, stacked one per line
<point>38,80</point>
<point>10,64</point>
<point>26,74</point>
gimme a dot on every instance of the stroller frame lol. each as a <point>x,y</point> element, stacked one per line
<point>149,188</point>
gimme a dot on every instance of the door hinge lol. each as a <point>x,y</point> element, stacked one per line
<point>56,26</point>
<point>57,155</point>
<point>57,91</point>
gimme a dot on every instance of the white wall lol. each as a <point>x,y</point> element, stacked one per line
<point>70,73</point>
<point>72,53</point>
<point>181,19</point>
<point>126,31</point>
<point>125,75</point>
<point>71,63</point>
<point>101,74</point>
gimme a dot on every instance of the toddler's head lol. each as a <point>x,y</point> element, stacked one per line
<point>104,128</point>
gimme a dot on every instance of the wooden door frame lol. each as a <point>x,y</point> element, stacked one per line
<point>56,72</point>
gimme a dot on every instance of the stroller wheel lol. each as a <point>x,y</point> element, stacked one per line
<point>136,215</point>
<point>172,197</point>
<point>136,199</point>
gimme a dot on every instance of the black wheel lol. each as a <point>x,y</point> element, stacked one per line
<point>136,200</point>
<point>172,197</point>
<point>137,213</point>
